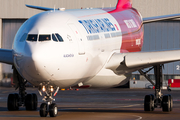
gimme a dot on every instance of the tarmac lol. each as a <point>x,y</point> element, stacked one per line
<point>94,104</point>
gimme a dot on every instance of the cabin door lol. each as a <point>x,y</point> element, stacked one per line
<point>78,38</point>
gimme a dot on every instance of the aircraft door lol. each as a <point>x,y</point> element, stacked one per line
<point>79,39</point>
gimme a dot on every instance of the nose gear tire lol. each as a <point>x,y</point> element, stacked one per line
<point>43,110</point>
<point>53,110</point>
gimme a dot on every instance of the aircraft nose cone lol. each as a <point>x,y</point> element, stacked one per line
<point>34,62</point>
<point>40,61</point>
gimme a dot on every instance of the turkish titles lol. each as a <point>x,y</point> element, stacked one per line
<point>97,25</point>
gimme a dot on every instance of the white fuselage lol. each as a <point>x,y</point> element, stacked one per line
<point>80,58</point>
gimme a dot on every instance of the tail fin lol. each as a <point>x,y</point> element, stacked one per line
<point>124,4</point>
<point>121,5</point>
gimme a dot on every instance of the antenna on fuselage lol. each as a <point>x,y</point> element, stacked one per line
<point>54,8</point>
<point>102,5</point>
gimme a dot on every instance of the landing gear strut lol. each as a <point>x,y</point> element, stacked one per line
<point>49,106</point>
<point>22,99</point>
<point>150,101</point>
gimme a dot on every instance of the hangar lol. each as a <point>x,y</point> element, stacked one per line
<point>158,36</point>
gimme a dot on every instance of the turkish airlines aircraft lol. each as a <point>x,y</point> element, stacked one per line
<point>62,48</point>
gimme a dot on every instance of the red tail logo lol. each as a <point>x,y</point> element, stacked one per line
<point>124,4</point>
<point>121,5</point>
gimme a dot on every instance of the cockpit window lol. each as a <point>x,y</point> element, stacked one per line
<point>32,37</point>
<point>54,38</point>
<point>44,37</point>
<point>59,37</point>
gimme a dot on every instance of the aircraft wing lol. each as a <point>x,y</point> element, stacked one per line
<point>6,56</point>
<point>160,18</point>
<point>140,60</point>
<point>40,8</point>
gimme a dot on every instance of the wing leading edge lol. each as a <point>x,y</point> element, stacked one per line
<point>6,56</point>
<point>139,60</point>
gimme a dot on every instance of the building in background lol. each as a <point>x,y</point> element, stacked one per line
<point>158,36</point>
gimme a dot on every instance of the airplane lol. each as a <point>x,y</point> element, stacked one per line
<point>86,48</point>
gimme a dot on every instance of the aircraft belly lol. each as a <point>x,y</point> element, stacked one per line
<point>60,83</point>
<point>107,78</point>
<point>105,81</point>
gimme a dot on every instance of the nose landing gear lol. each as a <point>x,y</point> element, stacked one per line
<point>48,106</point>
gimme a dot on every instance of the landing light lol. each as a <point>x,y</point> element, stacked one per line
<point>43,89</point>
<point>52,89</point>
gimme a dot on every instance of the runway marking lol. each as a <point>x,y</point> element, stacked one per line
<point>176,100</point>
<point>140,99</point>
<point>132,105</point>
<point>127,106</point>
<point>139,117</point>
<point>107,107</point>
<point>130,99</point>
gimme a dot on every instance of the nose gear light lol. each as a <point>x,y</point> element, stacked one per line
<point>52,89</point>
<point>43,88</point>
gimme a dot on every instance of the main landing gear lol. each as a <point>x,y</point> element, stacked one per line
<point>30,100</point>
<point>150,101</point>
<point>49,106</point>
<point>22,99</point>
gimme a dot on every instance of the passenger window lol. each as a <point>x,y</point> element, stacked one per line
<point>59,37</point>
<point>44,37</point>
<point>32,37</point>
<point>23,38</point>
<point>54,38</point>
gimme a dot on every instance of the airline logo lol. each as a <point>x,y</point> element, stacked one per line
<point>97,25</point>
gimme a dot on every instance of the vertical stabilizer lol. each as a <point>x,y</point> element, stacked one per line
<point>121,5</point>
<point>124,4</point>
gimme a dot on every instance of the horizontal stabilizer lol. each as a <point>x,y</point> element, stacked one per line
<point>40,8</point>
<point>160,18</point>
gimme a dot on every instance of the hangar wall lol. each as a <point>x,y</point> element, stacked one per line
<point>9,29</point>
<point>158,36</point>
<point>17,9</point>
<point>150,8</point>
